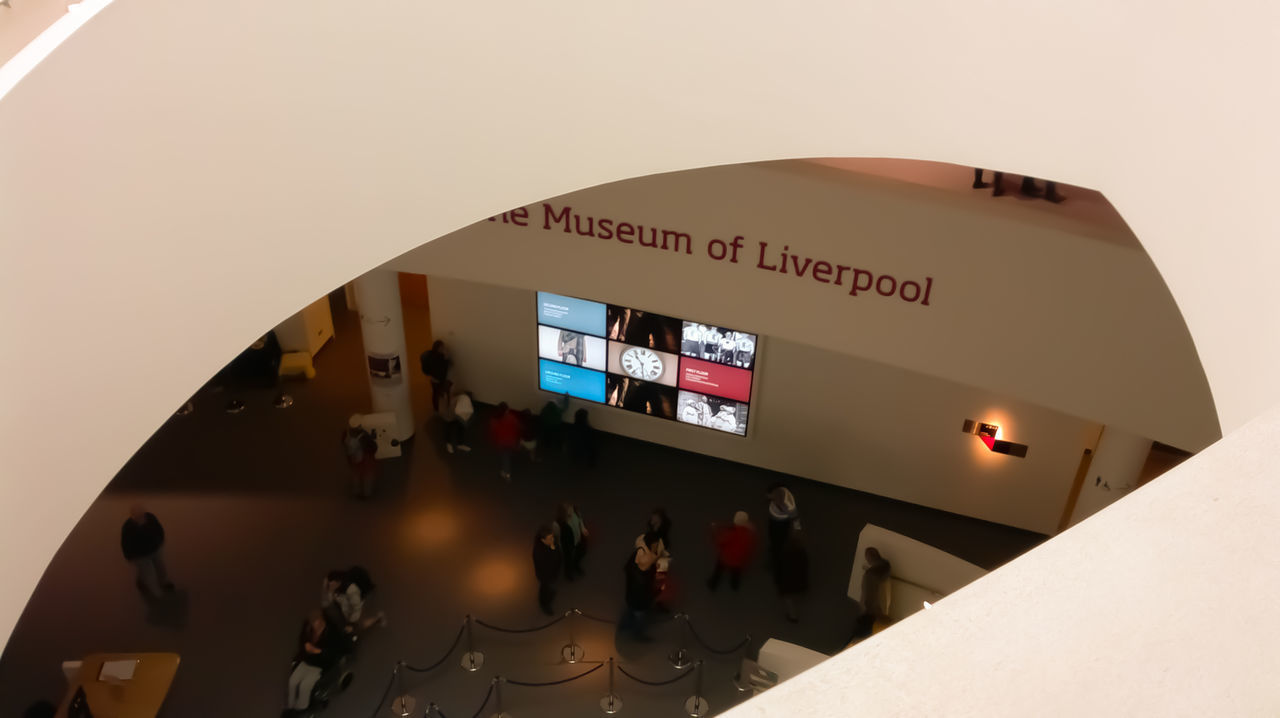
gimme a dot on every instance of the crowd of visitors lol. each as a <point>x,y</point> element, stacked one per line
<point>559,546</point>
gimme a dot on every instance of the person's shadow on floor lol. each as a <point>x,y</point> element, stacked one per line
<point>169,611</point>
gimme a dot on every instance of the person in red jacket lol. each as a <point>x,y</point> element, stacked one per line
<point>504,432</point>
<point>735,545</point>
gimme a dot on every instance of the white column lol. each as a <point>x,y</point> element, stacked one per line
<point>1115,469</point>
<point>386,362</point>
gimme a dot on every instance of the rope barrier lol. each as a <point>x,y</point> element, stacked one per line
<point>456,640</point>
<point>556,683</point>
<point>740,645</point>
<point>595,618</point>
<point>637,679</point>
<point>549,624</point>
<point>487,696</point>
<point>391,682</point>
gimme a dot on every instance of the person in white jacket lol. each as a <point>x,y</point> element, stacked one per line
<point>457,413</point>
<point>343,603</point>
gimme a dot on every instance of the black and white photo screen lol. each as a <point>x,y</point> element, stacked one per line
<point>676,369</point>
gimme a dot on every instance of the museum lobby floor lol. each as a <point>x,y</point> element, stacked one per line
<point>255,510</point>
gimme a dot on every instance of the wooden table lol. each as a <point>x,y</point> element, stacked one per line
<point>138,697</point>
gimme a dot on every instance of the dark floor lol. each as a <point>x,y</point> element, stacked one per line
<point>255,512</point>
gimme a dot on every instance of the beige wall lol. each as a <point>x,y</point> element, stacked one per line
<point>175,148</point>
<point>814,413</point>
<point>1075,319</point>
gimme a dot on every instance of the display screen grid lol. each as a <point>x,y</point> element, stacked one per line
<point>639,361</point>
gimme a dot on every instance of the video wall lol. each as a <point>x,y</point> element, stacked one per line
<point>651,364</point>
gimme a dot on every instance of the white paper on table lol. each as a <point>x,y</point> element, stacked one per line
<point>117,670</point>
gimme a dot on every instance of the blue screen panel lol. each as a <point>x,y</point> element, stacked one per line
<point>576,315</point>
<point>578,382</point>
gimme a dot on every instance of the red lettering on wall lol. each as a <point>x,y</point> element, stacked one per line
<point>822,268</point>
<point>549,215</point>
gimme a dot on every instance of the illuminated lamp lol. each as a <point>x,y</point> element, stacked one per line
<point>987,432</point>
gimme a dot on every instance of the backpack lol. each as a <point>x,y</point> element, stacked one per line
<point>360,577</point>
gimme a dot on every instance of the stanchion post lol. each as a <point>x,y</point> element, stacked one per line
<point>680,658</point>
<point>404,703</point>
<point>472,659</point>
<point>741,682</point>
<point>497,697</point>
<point>572,652</point>
<point>697,706</point>
<point>611,703</point>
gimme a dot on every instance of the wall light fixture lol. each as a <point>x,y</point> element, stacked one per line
<point>987,432</point>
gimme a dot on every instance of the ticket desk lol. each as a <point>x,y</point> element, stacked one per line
<point>110,695</point>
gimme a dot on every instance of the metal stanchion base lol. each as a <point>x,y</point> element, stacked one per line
<point>403,706</point>
<point>680,658</point>
<point>696,706</point>
<point>572,653</point>
<point>611,704</point>
<point>472,661</point>
<point>741,685</point>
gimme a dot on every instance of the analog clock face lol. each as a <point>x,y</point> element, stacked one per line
<point>641,363</point>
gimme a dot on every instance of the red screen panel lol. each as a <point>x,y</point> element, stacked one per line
<point>715,379</point>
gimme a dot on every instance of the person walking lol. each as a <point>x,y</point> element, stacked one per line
<point>791,573</point>
<point>573,536</point>
<point>361,448</point>
<point>783,518</point>
<point>529,433</point>
<point>551,426</point>
<point>457,413</point>
<point>582,439</point>
<point>735,545</point>
<point>436,363</point>
<point>504,432</point>
<point>641,571</point>
<point>546,566</point>
<point>142,541</point>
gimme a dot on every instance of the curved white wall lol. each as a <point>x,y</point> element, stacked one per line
<point>158,171</point>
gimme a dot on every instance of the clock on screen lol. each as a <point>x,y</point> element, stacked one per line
<point>641,363</point>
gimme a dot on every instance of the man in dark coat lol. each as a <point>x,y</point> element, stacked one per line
<point>142,541</point>
<point>435,364</point>
<point>546,566</point>
<point>641,586</point>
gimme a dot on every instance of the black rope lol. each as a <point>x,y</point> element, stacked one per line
<point>653,683</point>
<point>443,658</point>
<point>556,683</point>
<point>520,630</point>
<point>590,617</point>
<point>734,649</point>
<point>487,696</point>
<point>385,693</point>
